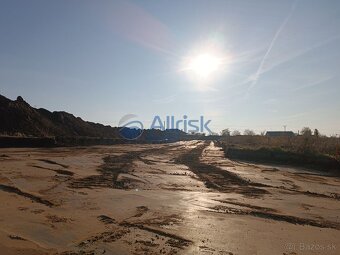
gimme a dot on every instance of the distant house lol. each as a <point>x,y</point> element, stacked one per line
<point>280,133</point>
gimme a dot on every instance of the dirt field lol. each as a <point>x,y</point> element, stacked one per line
<point>180,198</point>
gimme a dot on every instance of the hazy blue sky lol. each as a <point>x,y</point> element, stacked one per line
<point>102,59</point>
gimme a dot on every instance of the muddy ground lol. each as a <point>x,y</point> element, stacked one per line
<point>180,198</point>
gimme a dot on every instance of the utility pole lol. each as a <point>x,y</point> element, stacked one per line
<point>284,127</point>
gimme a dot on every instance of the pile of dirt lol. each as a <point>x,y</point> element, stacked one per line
<point>19,118</point>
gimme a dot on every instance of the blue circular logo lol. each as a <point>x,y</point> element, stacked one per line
<point>130,129</point>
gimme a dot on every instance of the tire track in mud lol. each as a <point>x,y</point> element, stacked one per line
<point>32,197</point>
<point>276,217</point>
<point>181,242</point>
<point>255,207</point>
<point>146,238</point>
<point>58,171</point>
<point>217,178</point>
<point>307,193</point>
<point>113,166</point>
<point>284,189</point>
<point>48,161</point>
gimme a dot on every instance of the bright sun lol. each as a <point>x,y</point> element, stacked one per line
<point>204,65</point>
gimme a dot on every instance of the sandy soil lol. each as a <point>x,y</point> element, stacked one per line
<point>180,198</point>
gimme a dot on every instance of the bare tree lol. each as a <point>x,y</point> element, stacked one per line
<point>235,133</point>
<point>248,132</point>
<point>306,131</point>
<point>225,132</point>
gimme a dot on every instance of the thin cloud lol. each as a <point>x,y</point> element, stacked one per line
<point>271,101</point>
<point>165,100</point>
<point>315,83</point>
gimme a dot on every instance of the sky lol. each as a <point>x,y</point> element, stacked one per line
<point>100,60</point>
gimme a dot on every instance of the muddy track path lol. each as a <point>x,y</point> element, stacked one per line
<point>180,198</point>
<point>217,178</point>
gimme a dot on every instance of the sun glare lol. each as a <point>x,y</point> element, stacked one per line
<point>204,65</point>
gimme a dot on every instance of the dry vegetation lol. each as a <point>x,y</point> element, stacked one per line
<point>301,144</point>
<point>313,152</point>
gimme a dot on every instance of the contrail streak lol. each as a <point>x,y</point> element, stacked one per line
<point>271,45</point>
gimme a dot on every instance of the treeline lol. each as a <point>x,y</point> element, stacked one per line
<point>305,131</point>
